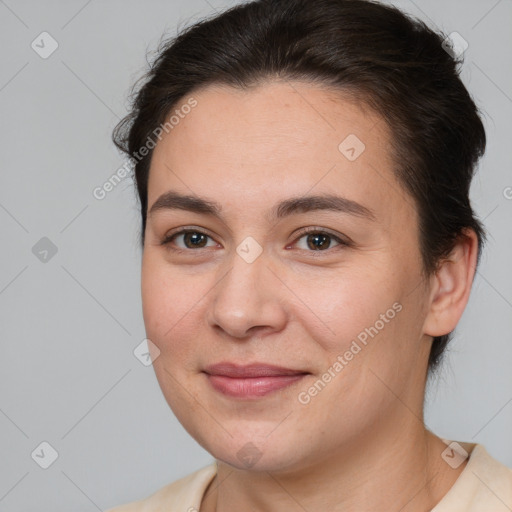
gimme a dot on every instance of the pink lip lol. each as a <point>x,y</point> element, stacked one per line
<point>254,380</point>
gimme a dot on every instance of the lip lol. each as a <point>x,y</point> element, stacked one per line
<point>251,381</point>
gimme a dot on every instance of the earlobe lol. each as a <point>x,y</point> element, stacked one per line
<point>451,286</point>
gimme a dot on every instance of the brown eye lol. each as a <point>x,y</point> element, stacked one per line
<point>319,241</point>
<point>194,239</point>
<point>191,239</point>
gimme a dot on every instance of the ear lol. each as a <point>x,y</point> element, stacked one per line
<point>451,285</point>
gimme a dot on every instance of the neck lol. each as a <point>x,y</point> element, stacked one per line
<point>388,471</point>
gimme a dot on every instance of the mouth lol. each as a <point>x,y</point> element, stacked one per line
<point>251,381</point>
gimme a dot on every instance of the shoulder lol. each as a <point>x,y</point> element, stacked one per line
<point>484,485</point>
<point>494,477</point>
<point>183,495</point>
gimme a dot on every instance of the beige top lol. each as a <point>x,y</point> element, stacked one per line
<point>485,485</point>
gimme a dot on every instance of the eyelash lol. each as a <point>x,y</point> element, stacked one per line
<point>307,231</point>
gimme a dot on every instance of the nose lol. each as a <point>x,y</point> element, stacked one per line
<point>248,299</point>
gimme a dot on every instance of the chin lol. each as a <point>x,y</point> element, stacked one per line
<point>256,453</point>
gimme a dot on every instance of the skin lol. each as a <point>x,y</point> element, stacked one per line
<point>360,443</point>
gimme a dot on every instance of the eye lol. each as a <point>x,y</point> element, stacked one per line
<point>316,240</point>
<point>319,240</point>
<point>191,239</point>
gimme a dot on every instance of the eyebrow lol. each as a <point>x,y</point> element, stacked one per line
<point>174,201</point>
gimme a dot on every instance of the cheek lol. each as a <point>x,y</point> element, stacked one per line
<point>349,305</point>
<point>172,302</point>
<point>163,301</point>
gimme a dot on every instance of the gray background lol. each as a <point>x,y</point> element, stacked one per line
<point>69,325</point>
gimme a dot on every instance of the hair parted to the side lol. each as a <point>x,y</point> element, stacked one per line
<point>373,52</point>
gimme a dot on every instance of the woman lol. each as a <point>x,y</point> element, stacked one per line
<point>309,246</point>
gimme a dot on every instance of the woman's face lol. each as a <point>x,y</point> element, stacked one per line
<point>280,347</point>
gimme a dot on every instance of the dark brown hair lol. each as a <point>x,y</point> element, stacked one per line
<point>391,62</point>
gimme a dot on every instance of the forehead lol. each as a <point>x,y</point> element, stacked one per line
<point>251,148</point>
